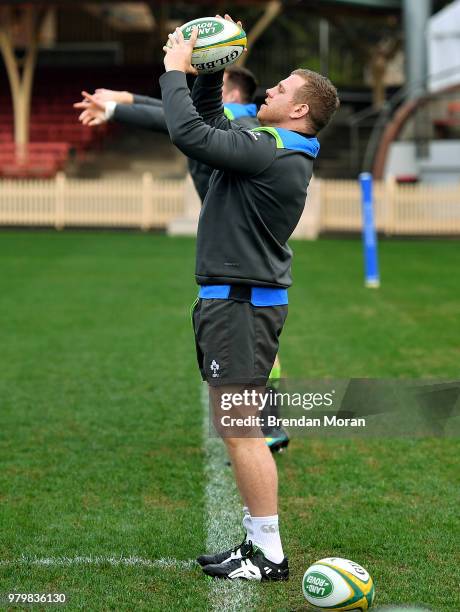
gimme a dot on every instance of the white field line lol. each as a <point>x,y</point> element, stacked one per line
<point>223,520</point>
<point>164,563</point>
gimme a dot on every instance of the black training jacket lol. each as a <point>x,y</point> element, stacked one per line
<point>254,200</point>
<point>147,113</point>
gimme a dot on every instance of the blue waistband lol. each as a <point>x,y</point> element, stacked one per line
<point>260,296</point>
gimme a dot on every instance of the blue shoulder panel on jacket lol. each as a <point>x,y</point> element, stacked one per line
<point>235,111</point>
<point>285,139</point>
<point>292,140</point>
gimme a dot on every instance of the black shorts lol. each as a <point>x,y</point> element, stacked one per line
<point>236,342</point>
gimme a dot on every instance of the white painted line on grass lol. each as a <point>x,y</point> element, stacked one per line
<point>164,563</point>
<point>223,524</point>
<point>223,520</point>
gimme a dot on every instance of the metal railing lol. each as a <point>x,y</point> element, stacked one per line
<point>377,119</point>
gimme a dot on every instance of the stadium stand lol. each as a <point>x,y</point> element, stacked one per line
<point>39,159</point>
<point>55,132</point>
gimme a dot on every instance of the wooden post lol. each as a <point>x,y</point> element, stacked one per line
<point>147,186</point>
<point>60,185</point>
<point>309,225</point>
<point>21,84</point>
<point>390,205</point>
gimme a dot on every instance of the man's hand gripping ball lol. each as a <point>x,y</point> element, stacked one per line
<point>178,52</point>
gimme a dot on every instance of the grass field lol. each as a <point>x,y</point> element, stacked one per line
<point>102,452</point>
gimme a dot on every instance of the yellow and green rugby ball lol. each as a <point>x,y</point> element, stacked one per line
<point>220,43</point>
<point>338,584</point>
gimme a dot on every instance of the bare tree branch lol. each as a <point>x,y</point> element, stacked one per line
<point>272,10</point>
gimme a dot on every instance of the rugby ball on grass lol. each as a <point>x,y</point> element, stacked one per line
<point>219,43</point>
<point>338,584</point>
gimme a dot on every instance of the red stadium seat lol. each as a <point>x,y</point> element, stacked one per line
<point>39,159</point>
<point>54,120</point>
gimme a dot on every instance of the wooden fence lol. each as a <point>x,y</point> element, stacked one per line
<point>399,209</point>
<point>141,203</point>
<point>149,202</point>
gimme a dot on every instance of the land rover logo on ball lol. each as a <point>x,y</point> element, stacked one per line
<point>317,585</point>
<point>205,29</point>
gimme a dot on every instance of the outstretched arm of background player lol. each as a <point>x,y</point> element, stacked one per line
<point>120,97</point>
<point>145,116</point>
<point>124,97</point>
<point>147,100</point>
<point>237,150</point>
<point>93,110</point>
<point>141,115</point>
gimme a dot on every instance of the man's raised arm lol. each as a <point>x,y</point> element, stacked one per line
<point>237,150</point>
<point>207,99</point>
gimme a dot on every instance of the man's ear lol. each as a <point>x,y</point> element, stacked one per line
<point>299,111</point>
<point>234,95</point>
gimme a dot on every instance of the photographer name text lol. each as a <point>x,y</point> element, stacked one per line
<point>302,421</point>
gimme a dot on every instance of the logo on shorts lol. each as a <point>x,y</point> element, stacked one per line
<point>214,367</point>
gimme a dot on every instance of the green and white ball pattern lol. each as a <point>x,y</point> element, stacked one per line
<point>338,584</point>
<point>220,43</point>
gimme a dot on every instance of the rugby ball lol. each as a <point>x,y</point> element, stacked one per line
<point>338,584</point>
<point>219,43</point>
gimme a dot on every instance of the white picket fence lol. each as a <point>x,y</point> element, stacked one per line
<point>399,209</point>
<point>149,202</point>
<point>61,202</point>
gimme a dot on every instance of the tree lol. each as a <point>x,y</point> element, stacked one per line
<point>23,22</point>
<point>376,43</point>
<point>272,10</point>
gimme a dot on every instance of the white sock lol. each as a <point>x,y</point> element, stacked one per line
<point>247,524</point>
<point>266,536</point>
